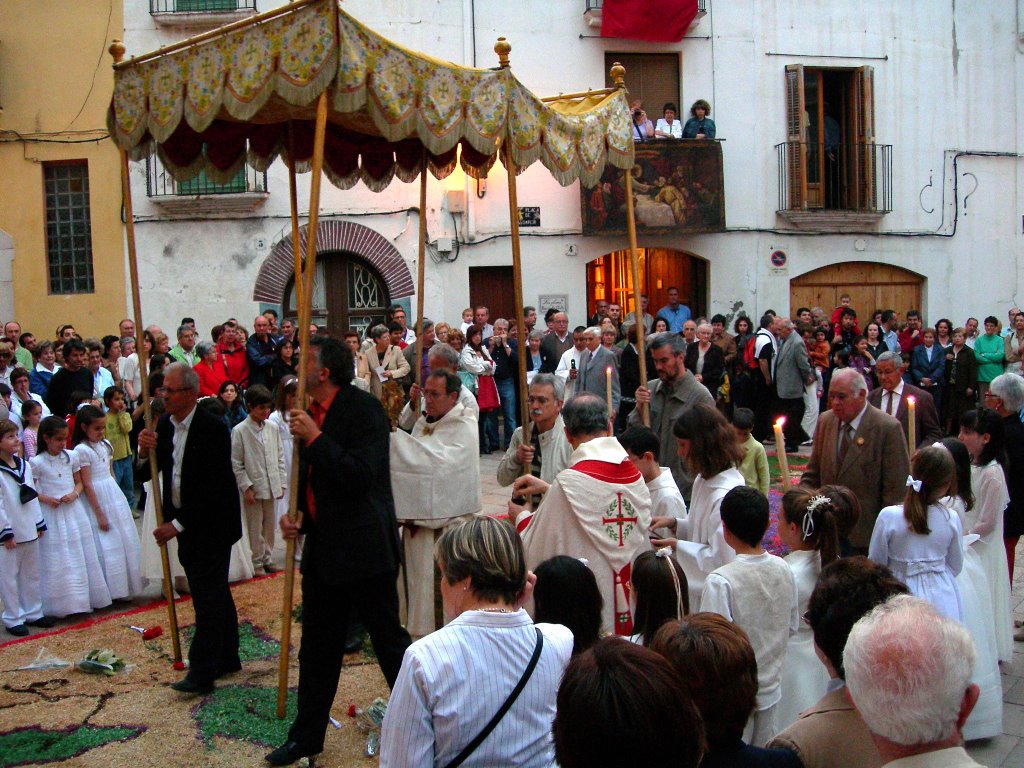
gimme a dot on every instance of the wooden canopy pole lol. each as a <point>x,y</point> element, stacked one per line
<point>618,73</point>
<point>305,312</point>
<point>502,48</point>
<point>421,253</point>
<point>117,50</point>
<point>293,197</point>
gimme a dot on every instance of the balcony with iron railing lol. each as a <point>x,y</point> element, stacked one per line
<point>245,191</point>
<point>834,186</point>
<point>200,13</point>
<point>592,11</point>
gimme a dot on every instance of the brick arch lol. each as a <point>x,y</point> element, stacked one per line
<point>279,267</point>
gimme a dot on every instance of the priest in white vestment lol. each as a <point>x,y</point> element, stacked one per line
<point>547,452</point>
<point>440,357</point>
<point>598,509</point>
<point>435,478</point>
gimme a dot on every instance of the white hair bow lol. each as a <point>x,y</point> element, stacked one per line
<point>915,484</point>
<point>664,552</point>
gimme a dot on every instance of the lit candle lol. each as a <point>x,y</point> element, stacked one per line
<point>780,453</point>
<point>608,389</point>
<point>911,425</point>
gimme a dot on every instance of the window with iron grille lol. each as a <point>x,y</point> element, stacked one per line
<point>68,227</point>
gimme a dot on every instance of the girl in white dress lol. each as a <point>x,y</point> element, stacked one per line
<point>659,593</point>
<point>807,525</point>
<point>921,540</point>
<point>116,535</point>
<point>986,719</point>
<point>982,432</point>
<point>284,400</point>
<point>72,576</point>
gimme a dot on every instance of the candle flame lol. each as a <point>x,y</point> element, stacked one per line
<point>781,420</point>
<point>911,399</point>
<point>608,370</point>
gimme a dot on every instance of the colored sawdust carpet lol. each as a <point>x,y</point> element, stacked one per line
<point>133,718</point>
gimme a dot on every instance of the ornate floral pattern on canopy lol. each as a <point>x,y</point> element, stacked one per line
<point>230,99</point>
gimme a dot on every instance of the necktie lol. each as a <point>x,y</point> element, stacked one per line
<point>845,438</point>
<point>888,406</point>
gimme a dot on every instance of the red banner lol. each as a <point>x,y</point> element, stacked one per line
<point>657,21</point>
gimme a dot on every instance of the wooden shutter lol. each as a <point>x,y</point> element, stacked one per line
<point>796,135</point>
<point>863,102</point>
<point>651,77</point>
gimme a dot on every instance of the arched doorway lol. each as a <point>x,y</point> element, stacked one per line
<point>870,286</point>
<point>347,293</point>
<point>609,277</point>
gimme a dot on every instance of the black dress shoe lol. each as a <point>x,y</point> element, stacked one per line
<point>45,622</point>
<point>288,753</point>
<point>18,630</point>
<point>191,687</point>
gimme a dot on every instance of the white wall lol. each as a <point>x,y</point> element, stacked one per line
<point>931,100</point>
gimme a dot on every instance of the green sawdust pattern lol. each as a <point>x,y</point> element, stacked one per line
<point>249,714</point>
<point>253,643</point>
<point>38,745</point>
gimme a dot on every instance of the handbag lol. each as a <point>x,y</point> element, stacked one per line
<point>470,748</point>
<point>487,393</point>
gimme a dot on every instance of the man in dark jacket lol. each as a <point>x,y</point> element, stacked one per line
<point>352,554</point>
<point>260,352</point>
<point>73,377</point>
<point>201,509</point>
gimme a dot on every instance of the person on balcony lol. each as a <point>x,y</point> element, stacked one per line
<point>700,125</point>
<point>668,127</point>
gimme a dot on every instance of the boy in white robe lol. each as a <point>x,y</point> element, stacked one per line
<point>758,593</point>
<point>435,478</point>
<point>642,447</point>
<point>598,509</point>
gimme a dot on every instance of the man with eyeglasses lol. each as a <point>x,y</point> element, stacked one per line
<point>6,361</point>
<point>859,446</point>
<point>435,477</point>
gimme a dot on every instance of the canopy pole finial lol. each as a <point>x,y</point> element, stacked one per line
<point>618,75</point>
<point>117,50</point>
<point>503,49</point>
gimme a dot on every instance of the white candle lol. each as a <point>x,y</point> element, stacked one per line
<point>780,453</point>
<point>608,389</point>
<point>911,425</point>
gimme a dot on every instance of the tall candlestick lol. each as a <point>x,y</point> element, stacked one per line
<point>608,389</point>
<point>780,453</point>
<point>911,425</point>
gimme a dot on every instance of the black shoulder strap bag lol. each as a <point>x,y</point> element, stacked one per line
<point>472,746</point>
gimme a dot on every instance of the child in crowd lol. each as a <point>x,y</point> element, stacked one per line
<point>642,446</point>
<point>117,536</point>
<point>284,400</point>
<point>754,466</point>
<point>31,415</point>
<point>659,593</point>
<point>73,579</point>
<point>566,593</point>
<point>467,319</point>
<point>258,462</point>
<point>807,526</point>
<point>757,592</point>
<point>846,511</point>
<point>820,350</point>
<point>78,399</point>
<point>921,541</point>
<point>983,433</point>
<point>14,416</point>
<point>21,527</point>
<point>118,431</point>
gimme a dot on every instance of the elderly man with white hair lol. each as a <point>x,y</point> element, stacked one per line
<point>859,446</point>
<point>908,673</point>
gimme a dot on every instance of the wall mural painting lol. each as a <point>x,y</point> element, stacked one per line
<point>677,187</point>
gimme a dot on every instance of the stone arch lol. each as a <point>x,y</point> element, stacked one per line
<point>278,268</point>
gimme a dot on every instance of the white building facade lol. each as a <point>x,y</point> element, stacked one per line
<point>942,224</point>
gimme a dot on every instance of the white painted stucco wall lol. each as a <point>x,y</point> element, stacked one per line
<point>948,79</point>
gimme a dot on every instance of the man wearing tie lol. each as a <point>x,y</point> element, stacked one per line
<point>891,398</point>
<point>594,367</point>
<point>858,446</point>
<point>201,509</point>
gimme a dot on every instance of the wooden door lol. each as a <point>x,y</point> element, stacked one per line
<point>347,294</point>
<point>610,277</point>
<point>493,287</point>
<point>870,286</point>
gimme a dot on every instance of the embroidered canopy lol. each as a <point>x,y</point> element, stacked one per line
<point>232,95</point>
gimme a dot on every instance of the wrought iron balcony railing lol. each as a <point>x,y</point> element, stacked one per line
<point>201,6</point>
<point>160,183</point>
<point>842,177</point>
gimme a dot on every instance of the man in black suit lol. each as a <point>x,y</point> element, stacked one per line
<point>352,549</point>
<point>891,398</point>
<point>201,509</point>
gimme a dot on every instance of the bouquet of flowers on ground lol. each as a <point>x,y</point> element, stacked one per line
<point>101,662</point>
